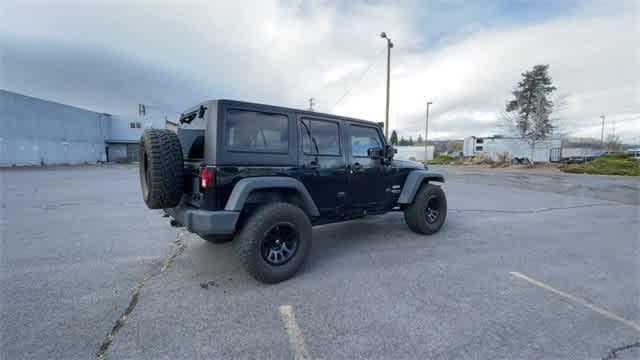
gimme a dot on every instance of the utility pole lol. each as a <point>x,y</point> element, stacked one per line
<point>386,114</point>
<point>426,131</point>
<point>311,103</point>
<point>602,131</point>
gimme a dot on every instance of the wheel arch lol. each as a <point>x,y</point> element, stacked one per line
<point>265,188</point>
<point>414,180</point>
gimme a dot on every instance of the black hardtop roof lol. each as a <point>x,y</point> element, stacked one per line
<point>305,112</point>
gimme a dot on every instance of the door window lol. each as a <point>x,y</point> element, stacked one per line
<point>320,137</point>
<point>364,138</point>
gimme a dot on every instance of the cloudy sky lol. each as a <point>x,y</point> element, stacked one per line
<point>465,56</point>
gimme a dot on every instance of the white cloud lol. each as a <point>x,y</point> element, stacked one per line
<point>285,52</point>
<point>592,61</point>
<point>341,72</point>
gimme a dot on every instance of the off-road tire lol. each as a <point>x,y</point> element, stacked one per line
<point>161,165</point>
<point>217,239</point>
<point>415,213</point>
<point>248,242</point>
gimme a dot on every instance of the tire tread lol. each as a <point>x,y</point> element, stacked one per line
<point>414,212</point>
<point>246,243</point>
<point>166,181</point>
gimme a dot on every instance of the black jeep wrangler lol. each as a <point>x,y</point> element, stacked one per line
<point>264,175</point>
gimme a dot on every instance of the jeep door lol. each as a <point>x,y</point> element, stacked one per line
<point>323,165</point>
<point>367,185</point>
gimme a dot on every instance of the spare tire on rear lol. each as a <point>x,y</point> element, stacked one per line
<point>161,165</point>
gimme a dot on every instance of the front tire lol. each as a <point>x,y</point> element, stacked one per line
<point>274,242</point>
<point>427,213</point>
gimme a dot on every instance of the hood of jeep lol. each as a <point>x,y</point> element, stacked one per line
<point>407,164</point>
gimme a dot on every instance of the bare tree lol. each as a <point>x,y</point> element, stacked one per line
<point>613,143</point>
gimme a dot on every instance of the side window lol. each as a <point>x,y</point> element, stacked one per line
<point>362,139</point>
<point>257,131</point>
<point>320,137</point>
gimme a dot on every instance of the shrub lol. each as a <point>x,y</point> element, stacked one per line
<point>503,158</point>
<point>482,159</point>
<point>441,160</point>
<point>615,164</point>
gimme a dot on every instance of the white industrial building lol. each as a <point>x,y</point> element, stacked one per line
<point>40,132</point>
<point>515,148</point>
<point>416,153</point>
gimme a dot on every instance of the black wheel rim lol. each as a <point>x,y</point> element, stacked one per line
<point>280,243</point>
<point>432,211</point>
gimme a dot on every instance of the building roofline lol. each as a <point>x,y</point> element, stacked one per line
<point>54,102</point>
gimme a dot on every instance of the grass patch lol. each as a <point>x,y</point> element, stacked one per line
<point>617,164</point>
<point>441,160</point>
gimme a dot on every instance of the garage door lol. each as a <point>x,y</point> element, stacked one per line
<point>132,152</point>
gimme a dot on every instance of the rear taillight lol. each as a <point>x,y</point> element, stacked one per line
<point>207,177</point>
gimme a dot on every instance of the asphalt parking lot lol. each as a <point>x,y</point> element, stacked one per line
<point>530,265</point>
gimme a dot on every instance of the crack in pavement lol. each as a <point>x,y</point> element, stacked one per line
<point>534,211</point>
<point>135,294</point>
<point>613,354</point>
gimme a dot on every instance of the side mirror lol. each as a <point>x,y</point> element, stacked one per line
<point>390,152</point>
<point>375,153</point>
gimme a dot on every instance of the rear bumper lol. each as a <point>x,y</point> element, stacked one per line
<point>203,222</point>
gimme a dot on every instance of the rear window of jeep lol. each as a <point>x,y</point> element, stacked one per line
<point>254,131</point>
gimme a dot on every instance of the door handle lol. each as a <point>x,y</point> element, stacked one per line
<point>356,166</point>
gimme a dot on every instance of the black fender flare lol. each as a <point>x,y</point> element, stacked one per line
<point>244,187</point>
<point>414,181</point>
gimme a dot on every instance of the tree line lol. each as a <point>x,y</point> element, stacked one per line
<point>405,142</point>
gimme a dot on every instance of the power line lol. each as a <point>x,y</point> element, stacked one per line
<point>378,58</point>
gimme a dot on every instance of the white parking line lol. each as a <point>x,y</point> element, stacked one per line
<point>577,300</point>
<point>296,340</point>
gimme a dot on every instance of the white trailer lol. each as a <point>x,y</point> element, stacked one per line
<point>416,153</point>
<point>515,148</point>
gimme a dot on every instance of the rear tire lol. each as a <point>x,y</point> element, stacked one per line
<point>217,239</point>
<point>427,213</point>
<point>274,242</point>
<point>161,166</point>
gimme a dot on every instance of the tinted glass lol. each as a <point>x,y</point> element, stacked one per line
<point>257,131</point>
<point>362,139</point>
<point>325,137</point>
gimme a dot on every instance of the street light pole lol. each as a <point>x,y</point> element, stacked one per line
<point>426,131</point>
<point>386,116</point>
<point>602,131</point>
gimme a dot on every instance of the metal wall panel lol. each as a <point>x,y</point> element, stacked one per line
<point>35,131</point>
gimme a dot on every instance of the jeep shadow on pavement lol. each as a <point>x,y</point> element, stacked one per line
<point>263,175</point>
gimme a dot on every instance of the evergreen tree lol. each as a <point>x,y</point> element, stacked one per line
<point>403,142</point>
<point>394,138</point>
<point>530,109</point>
<point>420,140</point>
<point>410,141</point>
<point>531,104</point>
